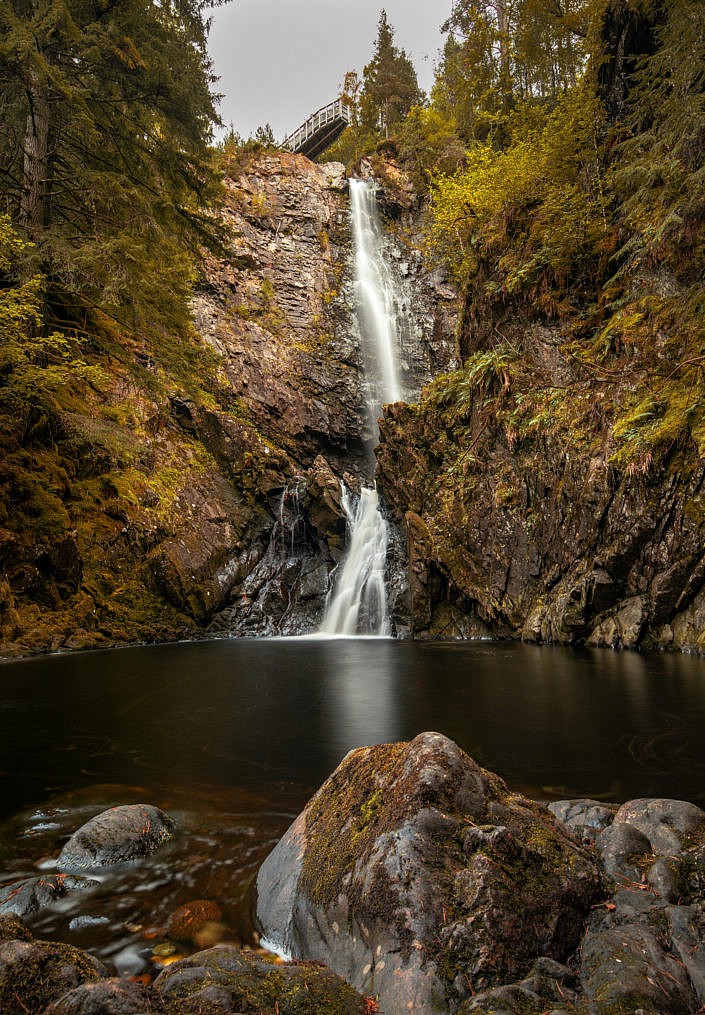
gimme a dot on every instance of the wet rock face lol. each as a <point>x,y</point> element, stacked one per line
<point>417,876</point>
<point>116,835</point>
<point>274,311</point>
<point>544,543</point>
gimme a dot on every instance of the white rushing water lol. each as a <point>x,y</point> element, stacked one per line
<point>358,602</point>
<point>374,299</point>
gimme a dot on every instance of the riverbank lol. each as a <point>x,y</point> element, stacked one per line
<point>413,873</point>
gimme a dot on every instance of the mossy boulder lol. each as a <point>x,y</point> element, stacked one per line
<point>225,979</point>
<point>35,973</point>
<point>118,834</point>
<point>108,997</point>
<point>418,876</point>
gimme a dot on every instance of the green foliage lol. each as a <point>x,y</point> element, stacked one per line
<point>659,176</point>
<point>34,366</point>
<point>428,144</point>
<point>536,208</point>
<point>104,159</point>
<point>503,52</point>
<point>601,227</point>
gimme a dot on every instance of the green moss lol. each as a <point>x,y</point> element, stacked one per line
<point>301,989</point>
<point>30,983</point>
<point>345,818</point>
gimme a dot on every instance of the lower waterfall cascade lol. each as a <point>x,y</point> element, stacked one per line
<point>357,602</point>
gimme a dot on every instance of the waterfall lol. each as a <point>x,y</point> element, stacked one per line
<point>374,300</point>
<point>358,601</point>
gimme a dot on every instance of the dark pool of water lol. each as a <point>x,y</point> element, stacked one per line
<point>251,713</point>
<point>232,737</point>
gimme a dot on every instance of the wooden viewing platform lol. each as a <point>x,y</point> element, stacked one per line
<point>320,130</point>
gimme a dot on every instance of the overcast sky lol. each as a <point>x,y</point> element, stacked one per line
<point>279,60</point>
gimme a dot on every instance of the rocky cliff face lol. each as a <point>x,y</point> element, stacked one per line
<point>281,314</point>
<point>161,511</point>
<point>540,538</point>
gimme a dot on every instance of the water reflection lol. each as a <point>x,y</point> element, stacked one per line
<point>363,694</point>
<point>249,714</point>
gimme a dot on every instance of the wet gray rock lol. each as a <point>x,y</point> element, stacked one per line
<point>108,997</point>
<point>667,824</point>
<point>686,927</point>
<point>619,845</point>
<point>584,818</point>
<point>116,835</point>
<point>418,876</point>
<point>548,984</point>
<point>630,969</point>
<point>31,894</point>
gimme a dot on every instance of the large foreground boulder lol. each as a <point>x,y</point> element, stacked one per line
<point>35,973</point>
<point>418,877</point>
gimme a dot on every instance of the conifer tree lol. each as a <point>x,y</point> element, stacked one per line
<point>105,117</point>
<point>390,86</point>
<point>500,52</point>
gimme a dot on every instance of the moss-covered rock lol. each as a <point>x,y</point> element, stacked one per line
<point>418,876</point>
<point>539,537</point>
<point>224,979</point>
<point>13,929</point>
<point>35,973</point>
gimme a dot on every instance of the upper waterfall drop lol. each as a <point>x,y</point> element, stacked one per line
<point>375,309</point>
<point>358,602</point>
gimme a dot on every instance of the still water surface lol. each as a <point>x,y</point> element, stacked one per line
<point>232,737</point>
<point>249,713</point>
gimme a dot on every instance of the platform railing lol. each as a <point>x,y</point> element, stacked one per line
<point>336,110</point>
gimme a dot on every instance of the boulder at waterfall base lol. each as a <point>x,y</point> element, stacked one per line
<point>417,876</point>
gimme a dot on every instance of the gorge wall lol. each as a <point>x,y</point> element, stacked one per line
<point>542,535</point>
<point>162,510</point>
<point>159,512</point>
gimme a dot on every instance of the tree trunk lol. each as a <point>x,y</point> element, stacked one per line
<point>34,208</point>
<point>503,32</point>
